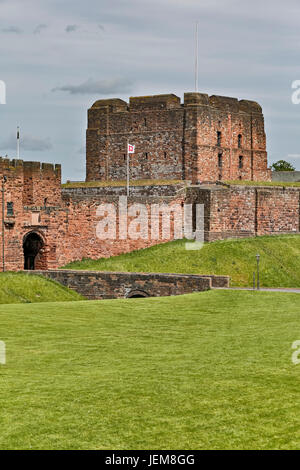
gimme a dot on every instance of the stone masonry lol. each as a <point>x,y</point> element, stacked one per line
<point>96,285</point>
<point>205,139</point>
<point>44,226</point>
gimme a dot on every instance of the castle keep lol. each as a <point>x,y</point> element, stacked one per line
<point>205,139</point>
<point>195,147</point>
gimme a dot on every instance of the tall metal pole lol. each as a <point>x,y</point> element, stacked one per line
<point>127,169</point>
<point>257,259</point>
<point>196,59</point>
<point>18,143</point>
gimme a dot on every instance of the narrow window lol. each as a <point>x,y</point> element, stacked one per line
<point>10,209</point>
<point>241,161</point>
<point>219,137</point>
<point>146,155</point>
<point>220,160</point>
<point>194,217</point>
<point>124,157</point>
<point>145,122</point>
<point>165,154</point>
<point>239,141</point>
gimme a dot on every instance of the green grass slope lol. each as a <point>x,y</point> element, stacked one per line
<point>280,255</point>
<point>204,371</point>
<point>21,288</point>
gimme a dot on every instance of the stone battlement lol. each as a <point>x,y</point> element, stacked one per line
<point>171,101</point>
<point>10,164</point>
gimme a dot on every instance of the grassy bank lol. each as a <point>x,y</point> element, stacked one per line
<point>279,264</point>
<point>21,288</point>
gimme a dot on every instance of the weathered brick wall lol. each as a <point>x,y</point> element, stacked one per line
<point>32,190</point>
<point>115,285</point>
<point>277,210</point>
<point>177,141</point>
<point>81,239</point>
<point>241,211</point>
<point>66,222</point>
<point>67,226</point>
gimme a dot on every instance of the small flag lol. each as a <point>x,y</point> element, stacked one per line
<point>18,133</point>
<point>131,148</point>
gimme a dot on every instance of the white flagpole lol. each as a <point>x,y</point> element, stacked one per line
<point>196,59</point>
<point>18,142</point>
<point>127,169</point>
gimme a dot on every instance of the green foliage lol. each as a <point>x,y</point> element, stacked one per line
<point>22,288</point>
<point>282,184</point>
<point>282,165</point>
<point>113,183</point>
<point>280,256</point>
<point>204,371</point>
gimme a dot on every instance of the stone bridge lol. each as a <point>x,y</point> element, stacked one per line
<point>117,285</point>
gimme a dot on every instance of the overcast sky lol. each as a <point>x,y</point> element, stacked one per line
<point>59,56</point>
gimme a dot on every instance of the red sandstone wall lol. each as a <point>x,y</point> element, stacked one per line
<point>67,227</point>
<point>175,141</point>
<point>35,192</point>
<point>241,211</point>
<point>156,129</point>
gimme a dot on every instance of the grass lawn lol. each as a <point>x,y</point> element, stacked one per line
<point>279,265</point>
<point>204,371</point>
<point>283,184</point>
<point>98,184</point>
<point>22,288</point>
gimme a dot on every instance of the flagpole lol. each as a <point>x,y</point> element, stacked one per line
<point>196,59</point>
<point>127,169</point>
<point>18,142</point>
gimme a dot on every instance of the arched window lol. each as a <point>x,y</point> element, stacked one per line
<point>241,161</point>
<point>219,138</point>
<point>239,141</point>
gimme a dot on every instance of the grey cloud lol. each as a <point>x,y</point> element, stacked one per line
<point>39,28</point>
<point>101,87</point>
<point>12,29</point>
<point>71,28</point>
<point>27,142</point>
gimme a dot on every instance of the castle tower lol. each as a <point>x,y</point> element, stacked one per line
<point>205,139</point>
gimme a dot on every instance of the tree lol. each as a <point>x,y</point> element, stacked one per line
<point>282,165</point>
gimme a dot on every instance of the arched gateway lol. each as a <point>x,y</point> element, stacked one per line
<point>34,256</point>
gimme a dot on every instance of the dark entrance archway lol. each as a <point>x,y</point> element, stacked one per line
<point>134,294</point>
<point>32,246</point>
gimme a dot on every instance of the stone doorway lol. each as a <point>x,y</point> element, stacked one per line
<point>34,255</point>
